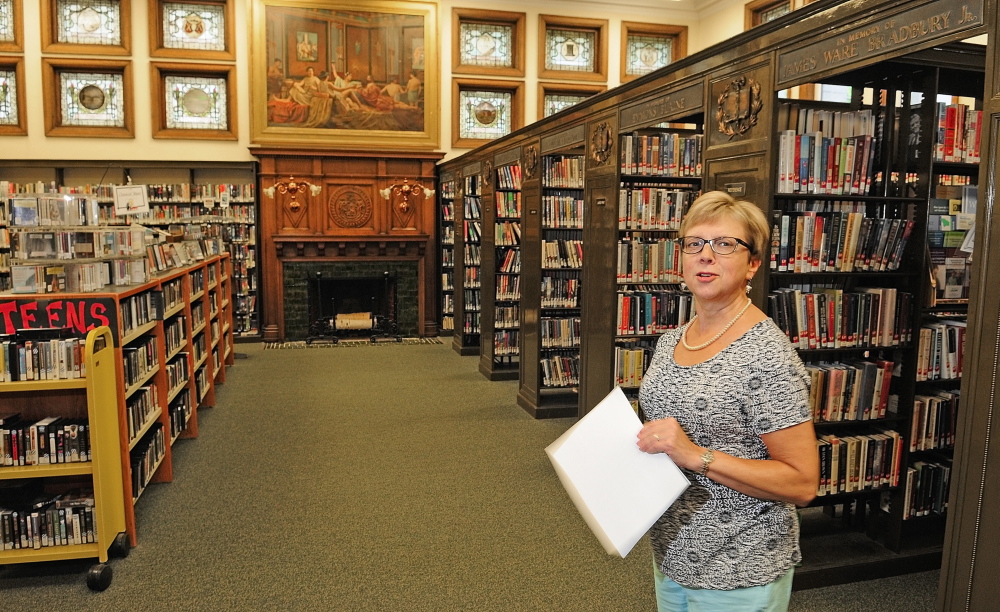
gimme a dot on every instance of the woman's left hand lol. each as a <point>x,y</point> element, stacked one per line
<point>667,436</point>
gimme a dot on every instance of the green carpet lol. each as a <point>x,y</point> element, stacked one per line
<point>389,480</point>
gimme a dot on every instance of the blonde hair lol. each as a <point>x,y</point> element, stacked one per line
<point>715,204</point>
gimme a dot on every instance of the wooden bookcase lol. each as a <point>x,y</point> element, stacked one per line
<point>501,264</point>
<point>93,397</point>
<point>468,262</point>
<point>177,382</point>
<point>446,257</point>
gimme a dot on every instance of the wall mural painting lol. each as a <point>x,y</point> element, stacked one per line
<point>340,74</point>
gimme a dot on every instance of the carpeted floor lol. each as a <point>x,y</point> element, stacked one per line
<point>302,344</point>
<point>390,480</point>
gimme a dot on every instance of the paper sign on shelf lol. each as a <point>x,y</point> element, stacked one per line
<point>130,200</point>
<point>619,490</point>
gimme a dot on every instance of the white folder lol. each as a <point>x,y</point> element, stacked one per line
<point>619,490</point>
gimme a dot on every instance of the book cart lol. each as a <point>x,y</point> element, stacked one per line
<point>862,314</point>
<point>172,337</point>
<point>52,532</point>
<point>468,242</point>
<point>446,258</point>
<point>501,258</point>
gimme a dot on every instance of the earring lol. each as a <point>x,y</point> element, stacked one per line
<point>748,287</point>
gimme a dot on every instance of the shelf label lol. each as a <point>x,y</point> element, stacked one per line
<point>879,34</point>
<point>472,169</point>
<point>507,157</point>
<point>678,103</point>
<point>76,315</point>
<point>566,138</point>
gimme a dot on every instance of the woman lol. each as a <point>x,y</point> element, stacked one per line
<point>727,399</point>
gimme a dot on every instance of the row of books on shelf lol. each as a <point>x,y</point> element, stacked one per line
<point>508,204</point>
<point>139,408</point>
<point>815,164</point>
<point>950,271</point>
<point>507,233</point>
<point>926,487</point>
<point>53,210</point>
<point>447,281</point>
<point>471,208</point>
<point>145,457</point>
<point>859,462</point>
<point>471,301</point>
<point>472,185</point>
<point>631,361</point>
<point>510,261</point>
<point>448,257</point>
<point>508,288</point>
<point>96,242</point>
<point>197,212</point>
<point>448,304</point>
<point>177,371</point>
<point>171,255</point>
<point>940,349</point>
<point>505,342</point>
<point>46,441</point>
<point>473,231</point>
<point>651,207</point>
<point>447,235</point>
<point>935,419</point>
<point>472,254</point>
<point>560,370</point>
<point>644,311</point>
<point>562,254</point>
<point>470,323</point>
<point>562,171</point>
<point>447,211</point>
<point>507,316</point>
<point>138,360</point>
<point>851,390</point>
<point>958,133</point>
<point>649,260</point>
<point>561,332</point>
<point>836,318</point>
<point>77,277</point>
<point>472,275</point>
<point>560,292</point>
<point>49,520</point>
<point>55,359</point>
<point>562,211</point>
<point>448,190</point>
<point>180,413</point>
<point>140,309</point>
<point>106,191</point>
<point>509,177</point>
<point>448,322</point>
<point>837,242</point>
<point>667,154</point>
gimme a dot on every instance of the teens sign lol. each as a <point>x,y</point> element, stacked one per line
<point>78,316</point>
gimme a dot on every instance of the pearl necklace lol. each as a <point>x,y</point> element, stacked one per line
<point>716,336</point>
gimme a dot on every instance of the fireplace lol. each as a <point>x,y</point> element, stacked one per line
<point>318,289</point>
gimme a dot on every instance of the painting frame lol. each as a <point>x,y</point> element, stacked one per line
<point>376,35</point>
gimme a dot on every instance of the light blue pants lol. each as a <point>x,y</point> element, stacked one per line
<point>672,597</point>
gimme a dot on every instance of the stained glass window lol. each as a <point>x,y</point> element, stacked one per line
<point>556,102</point>
<point>646,53</point>
<point>487,44</point>
<point>773,12</point>
<point>8,98</point>
<point>570,50</point>
<point>484,114</point>
<point>194,26</point>
<point>195,102</point>
<point>89,22</point>
<point>92,100</point>
<point>7,21</point>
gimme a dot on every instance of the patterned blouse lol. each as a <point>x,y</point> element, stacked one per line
<point>714,537</point>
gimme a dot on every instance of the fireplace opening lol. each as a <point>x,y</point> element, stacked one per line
<point>342,306</point>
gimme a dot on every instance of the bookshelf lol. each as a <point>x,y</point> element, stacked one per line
<point>501,292</point>
<point>446,258</point>
<point>468,267</point>
<point>87,407</point>
<point>173,337</point>
<point>660,176</point>
<point>215,200</point>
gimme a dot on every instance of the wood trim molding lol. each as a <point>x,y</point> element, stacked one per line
<point>468,15</point>
<point>156,45</point>
<point>516,90</point>
<point>584,89</point>
<point>17,65</point>
<point>678,33</point>
<point>50,38</point>
<point>17,46</point>
<point>160,70</point>
<point>51,67</point>
<point>600,29</point>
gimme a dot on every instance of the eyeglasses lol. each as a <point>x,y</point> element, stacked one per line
<point>725,245</point>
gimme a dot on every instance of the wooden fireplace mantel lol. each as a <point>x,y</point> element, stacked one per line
<point>349,219</point>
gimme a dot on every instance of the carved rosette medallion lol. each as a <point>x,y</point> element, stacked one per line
<point>487,172</point>
<point>601,143</point>
<point>530,162</point>
<point>739,105</point>
<point>350,206</point>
